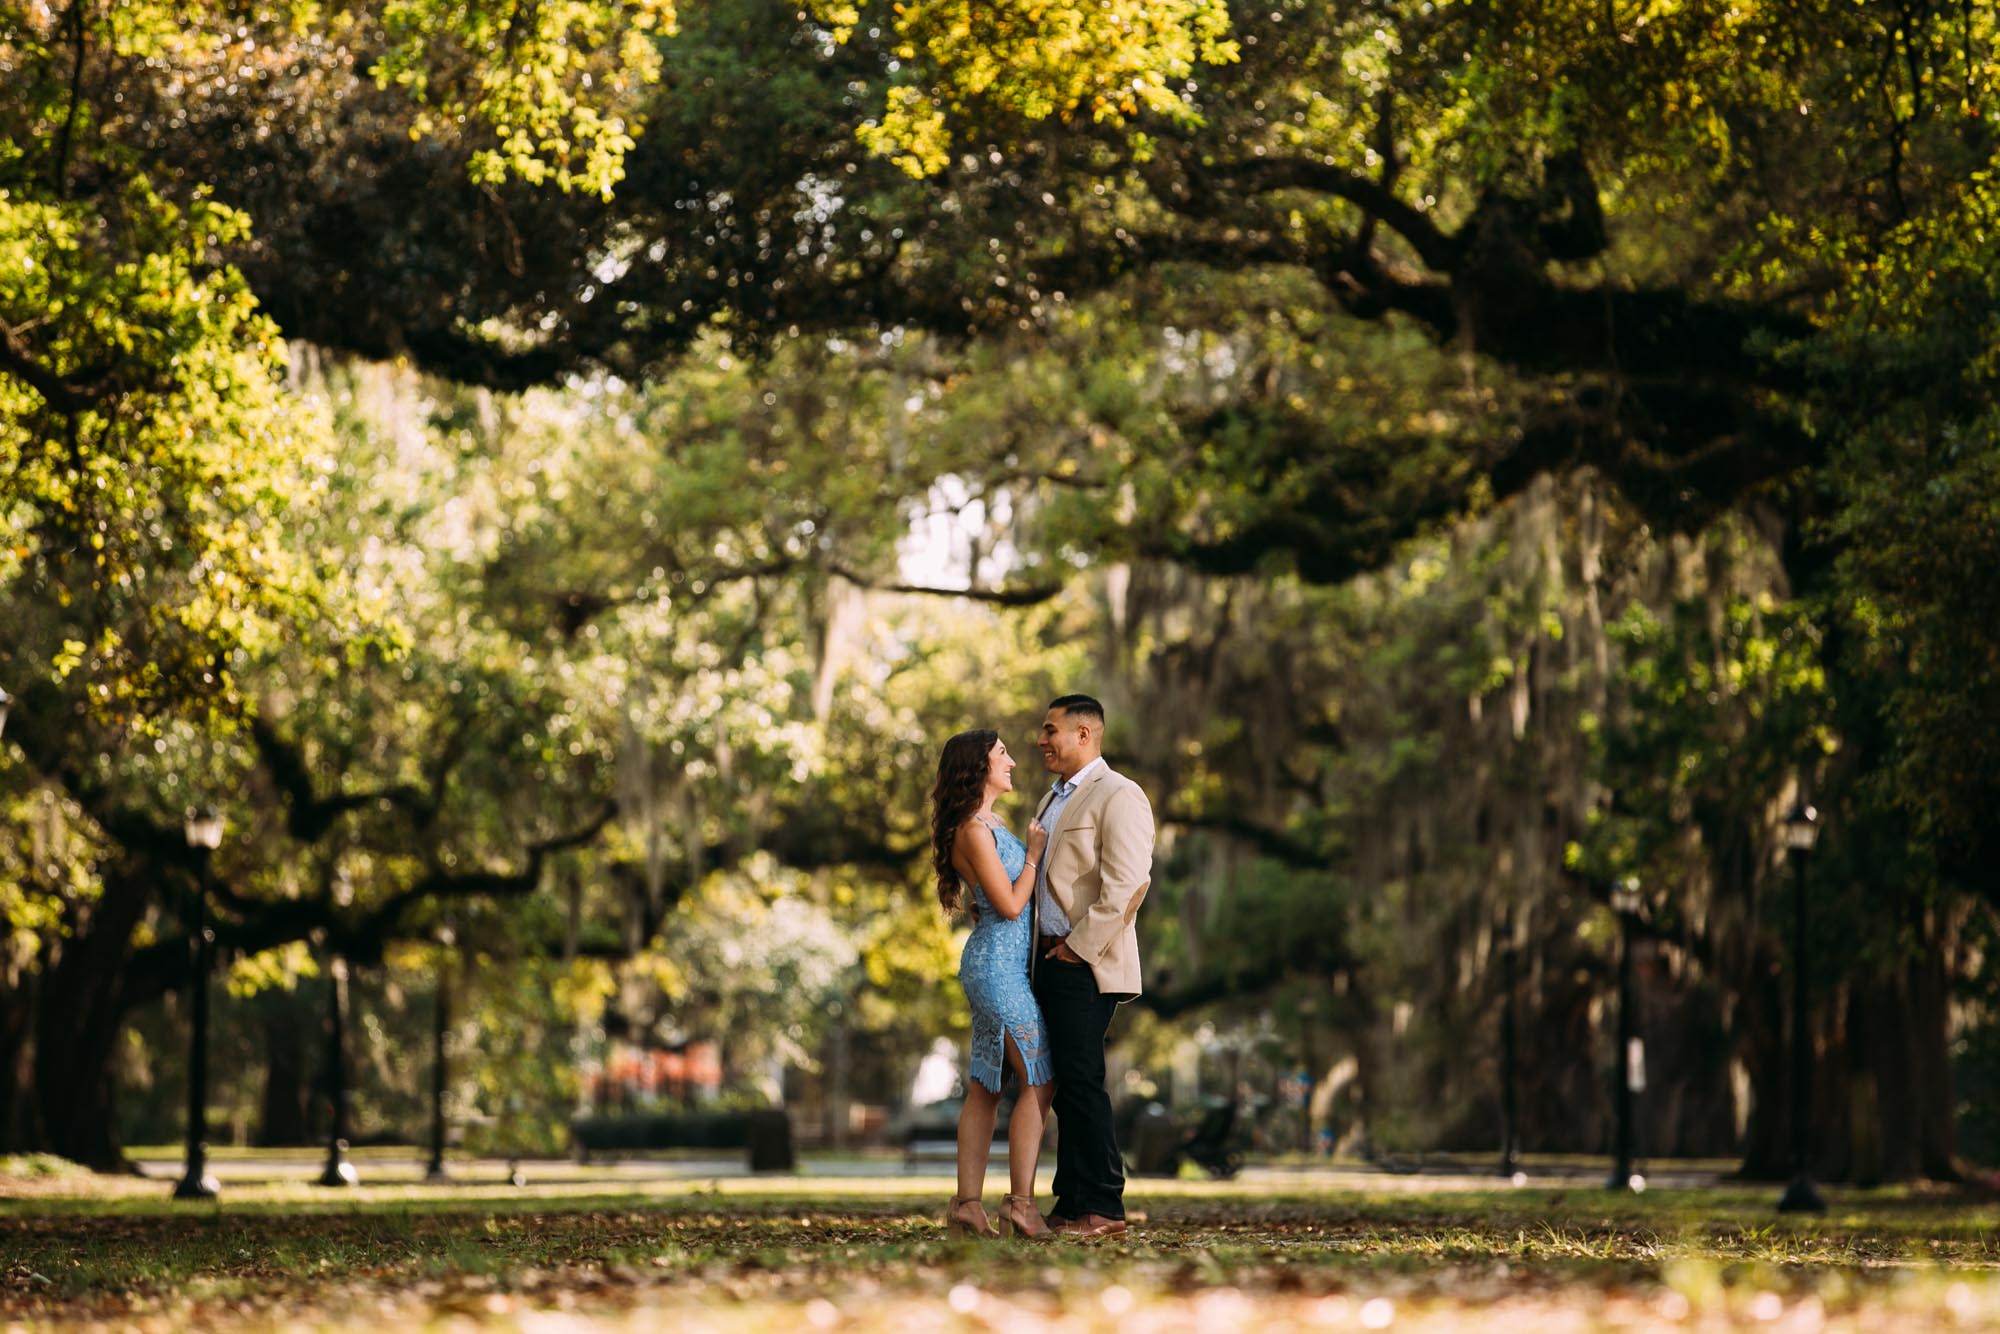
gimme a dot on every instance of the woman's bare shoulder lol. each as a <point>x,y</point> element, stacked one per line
<point>971,834</point>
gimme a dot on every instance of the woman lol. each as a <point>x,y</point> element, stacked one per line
<point>970,848</point>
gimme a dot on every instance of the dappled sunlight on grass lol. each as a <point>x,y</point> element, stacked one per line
<point>1279,1251</point>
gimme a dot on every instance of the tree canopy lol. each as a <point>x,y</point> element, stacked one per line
<point>1495,448</point>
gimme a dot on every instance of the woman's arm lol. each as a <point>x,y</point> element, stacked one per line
<point>978,860</point>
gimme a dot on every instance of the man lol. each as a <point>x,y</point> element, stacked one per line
<point>1093,875</point>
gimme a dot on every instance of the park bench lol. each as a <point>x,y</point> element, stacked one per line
<point>765,1136</point>
<point>930,1132</point>
<point>1155,1143</point>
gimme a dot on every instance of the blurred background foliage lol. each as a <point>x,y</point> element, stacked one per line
<point>556,473</point>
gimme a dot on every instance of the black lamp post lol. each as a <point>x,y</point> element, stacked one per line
<point>204,835</point>
<point>1628,1080</point>
<point>1801,832</point>
<point>436,1175</point>
<point>339,1171</point>
<point>1509,1105</point>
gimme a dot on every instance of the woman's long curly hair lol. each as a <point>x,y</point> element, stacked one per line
<point>960,787</point>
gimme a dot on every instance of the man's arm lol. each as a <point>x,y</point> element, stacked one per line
<point>1125,862</point>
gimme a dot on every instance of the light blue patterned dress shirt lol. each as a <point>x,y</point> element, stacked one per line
<point>1050,920</point>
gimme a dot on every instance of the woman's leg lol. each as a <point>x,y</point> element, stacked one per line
<point>975,1138</point>
<point>1024,1127</point>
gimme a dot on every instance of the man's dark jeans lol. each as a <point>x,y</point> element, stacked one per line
<point>1090,1172</point>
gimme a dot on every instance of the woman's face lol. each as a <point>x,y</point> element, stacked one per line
<point>999,768</point>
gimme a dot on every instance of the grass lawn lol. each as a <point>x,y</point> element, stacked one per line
<point>1277,1250</point>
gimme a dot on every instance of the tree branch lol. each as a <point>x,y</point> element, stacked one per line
<point>385,921</point>
<point>71,394</point>
<point>1021,595</point>
<point>575,608</point>
<point>1309,953</point>
<point>1678,455</point>
<point>265,924</point>
<point>308,816</point>
<point>1275,844</point>
<point>1374,198</point>
<point>59,175</point>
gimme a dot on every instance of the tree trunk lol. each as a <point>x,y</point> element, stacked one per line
<point>1565,1099</point>
<point>287,1101</point>
<point>77,1025</point>
<point>1881,1099</point>
<point>19,1130</point>
<point>1762,1045</point>
<point>1688,1107</point>
<point>1936,1131</point>
<point>1892,1118</point>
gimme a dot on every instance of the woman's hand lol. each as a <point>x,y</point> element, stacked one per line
<point>1038,838</point>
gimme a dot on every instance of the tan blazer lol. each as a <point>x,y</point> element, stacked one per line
<point>1098,867</point>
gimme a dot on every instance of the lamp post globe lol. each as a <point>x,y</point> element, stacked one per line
<point>1801,827</point>
<point>203,830</point>
<point>1801,831</point>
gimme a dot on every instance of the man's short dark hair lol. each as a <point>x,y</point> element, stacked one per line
<point>1082,704</point>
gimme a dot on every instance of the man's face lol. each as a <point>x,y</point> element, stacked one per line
<point>1063,742</point>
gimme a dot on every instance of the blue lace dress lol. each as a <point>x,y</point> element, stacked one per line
<point>994,972</point>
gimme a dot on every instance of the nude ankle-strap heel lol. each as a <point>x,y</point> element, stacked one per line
<point>955,1225</point>
<point>1010,1227</point>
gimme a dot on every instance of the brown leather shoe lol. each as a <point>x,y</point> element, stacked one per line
<point>1091,1227</point>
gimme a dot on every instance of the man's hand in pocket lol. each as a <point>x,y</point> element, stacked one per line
<point>1063,953</point>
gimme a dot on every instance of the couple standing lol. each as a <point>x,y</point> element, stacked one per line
<point>1051,955</point>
